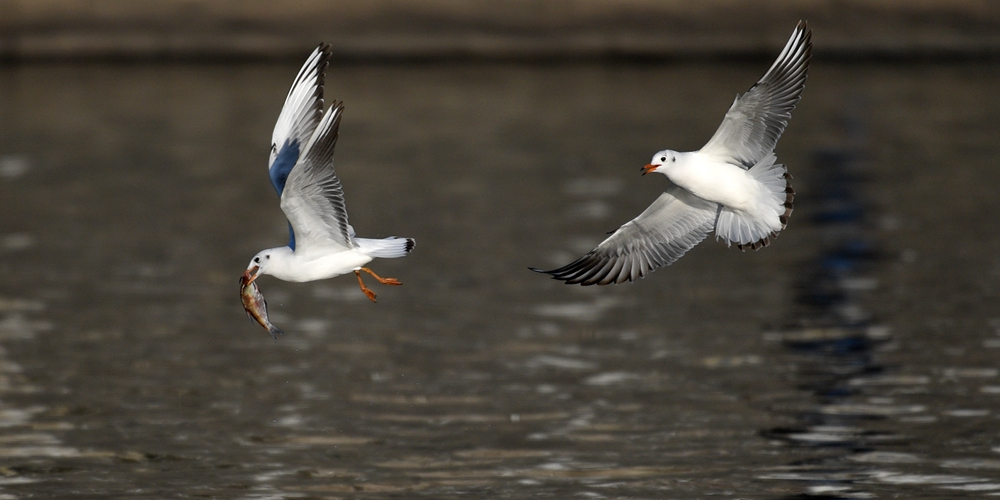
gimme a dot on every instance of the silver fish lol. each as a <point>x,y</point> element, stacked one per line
<point>255,305</point>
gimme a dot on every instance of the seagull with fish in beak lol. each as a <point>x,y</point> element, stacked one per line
<point>322,244</point>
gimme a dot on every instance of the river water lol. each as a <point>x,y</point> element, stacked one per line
<point>856,357</point>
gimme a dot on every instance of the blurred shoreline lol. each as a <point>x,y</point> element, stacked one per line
<point>548,30</point>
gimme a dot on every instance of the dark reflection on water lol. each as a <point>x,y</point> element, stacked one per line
<point>134,196</point>
<point>857,421</point>
<point>834,338</point>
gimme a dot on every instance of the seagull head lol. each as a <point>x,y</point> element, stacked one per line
<point>660,159</point>
<point>258,265</point>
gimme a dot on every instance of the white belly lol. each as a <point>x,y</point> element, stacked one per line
<point>322,266</point>
<point>716,181</point>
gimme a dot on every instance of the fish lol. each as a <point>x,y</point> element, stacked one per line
<point>255,305</point>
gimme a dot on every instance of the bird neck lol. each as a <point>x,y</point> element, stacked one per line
<point>280,263</point>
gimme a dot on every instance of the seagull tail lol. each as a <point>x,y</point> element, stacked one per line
<point>386,248</point>
<point>756,227</point>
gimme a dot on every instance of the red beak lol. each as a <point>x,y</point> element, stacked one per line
<point>649,168</point>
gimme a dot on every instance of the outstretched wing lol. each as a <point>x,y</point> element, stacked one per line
<point>672,225</point>
<point>299,116</point>
<point>756,119</point>
<point>313,198</point>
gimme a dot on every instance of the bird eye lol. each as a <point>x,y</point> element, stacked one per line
<point>663,158</point>
<point>256,259</point>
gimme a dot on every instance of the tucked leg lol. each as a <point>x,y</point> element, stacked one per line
<point>369,293</point>
<point>384,281</point>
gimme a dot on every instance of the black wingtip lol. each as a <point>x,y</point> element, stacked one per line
<point>324,62</point>
<point>571,274</point>
<point>410,243</point>
<point>554,274</point>
<point>326,52</point>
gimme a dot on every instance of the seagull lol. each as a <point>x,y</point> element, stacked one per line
<point>321,243</point>
<point>732,185</point>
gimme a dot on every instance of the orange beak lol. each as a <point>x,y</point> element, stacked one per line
<point>649,168</point>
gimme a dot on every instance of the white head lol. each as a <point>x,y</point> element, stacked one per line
<point>665,157</point>
<point>263,262</point>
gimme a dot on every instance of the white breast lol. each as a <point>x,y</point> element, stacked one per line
<point>305,267</point>
<point>713,180</point>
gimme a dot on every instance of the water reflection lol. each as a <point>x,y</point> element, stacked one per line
<point>833,337</point>
<point>857,422</point>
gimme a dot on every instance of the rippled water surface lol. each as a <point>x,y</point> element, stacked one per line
<point>856,357</point>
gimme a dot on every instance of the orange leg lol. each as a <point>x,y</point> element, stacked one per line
<point>384,281</point>
<point>369,293</point>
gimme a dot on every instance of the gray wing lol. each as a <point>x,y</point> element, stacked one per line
<point>672,225</point>
<point>303,106</point>
<point>756,119</point>
<point>313,198</point>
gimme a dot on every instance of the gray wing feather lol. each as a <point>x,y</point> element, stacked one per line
<point>313,199</point>
<point>672,225</point>
<point>756,119</point>
<point>303,106</point>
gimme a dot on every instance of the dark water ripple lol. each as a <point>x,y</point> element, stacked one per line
<point>858,422</point>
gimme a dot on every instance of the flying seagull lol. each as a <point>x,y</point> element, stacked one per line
<point>321,242</point>
<point>732,185</point>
